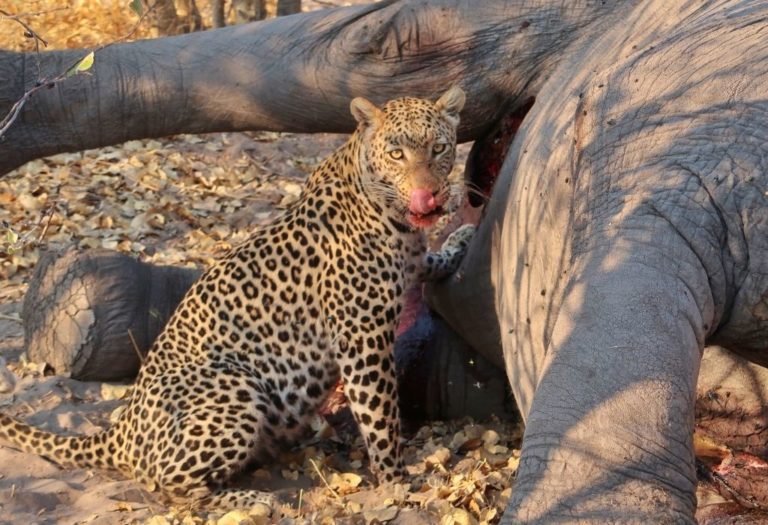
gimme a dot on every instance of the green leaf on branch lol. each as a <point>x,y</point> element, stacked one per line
<point>10,240</point>
<point>82,66</point>
<point>11,237</point>
<point>137,7</point>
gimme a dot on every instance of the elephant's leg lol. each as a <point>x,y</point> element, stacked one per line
<point>609,432</point>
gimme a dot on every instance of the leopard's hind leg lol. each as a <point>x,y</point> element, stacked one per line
<point>197,428</point>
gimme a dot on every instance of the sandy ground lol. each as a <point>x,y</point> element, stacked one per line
<point>34,490</point>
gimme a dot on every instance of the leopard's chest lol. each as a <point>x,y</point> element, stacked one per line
<point>273,301</point>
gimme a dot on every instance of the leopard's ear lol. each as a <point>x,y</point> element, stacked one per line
<point>451,104</point>
<point>364,111</point>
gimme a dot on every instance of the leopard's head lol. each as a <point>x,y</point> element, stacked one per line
<point>407,152</point>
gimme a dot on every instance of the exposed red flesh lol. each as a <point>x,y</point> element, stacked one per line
<point>487,155</point>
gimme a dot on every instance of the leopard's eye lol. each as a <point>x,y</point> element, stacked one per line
<point>396,154</point>
<point>438,148</point>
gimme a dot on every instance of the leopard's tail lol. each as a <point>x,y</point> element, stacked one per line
<point>69,451</point>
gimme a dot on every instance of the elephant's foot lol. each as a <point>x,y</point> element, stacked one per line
<point>91,314</point>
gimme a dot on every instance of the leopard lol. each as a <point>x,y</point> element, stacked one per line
<point>261,338</point>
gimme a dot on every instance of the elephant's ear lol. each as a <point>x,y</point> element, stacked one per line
<point>451,104</point>
<point>365,111</point>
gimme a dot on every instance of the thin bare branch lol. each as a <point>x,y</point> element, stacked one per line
<point>50,82</point>
<point>29,32</point>
<point>31,14</point>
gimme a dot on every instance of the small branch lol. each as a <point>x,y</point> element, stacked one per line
<point>22,242</point>
<point>136,347</point>
<point>47,214</point>
<point>30,33</point>
<point>325,482</point>
<point>16,109</point>
<point>50,82</point>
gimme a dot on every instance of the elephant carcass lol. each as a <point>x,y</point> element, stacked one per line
<point>603,292</point>
<point>628,229</point>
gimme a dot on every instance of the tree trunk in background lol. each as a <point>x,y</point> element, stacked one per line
<point>163,17</point>
<point>270,7</point>
<point>173,17</point>
<point>253,10</point>
<point>219,19</point>
<point>189,16</point>
<point>288,7</point>
<point>249,10</point>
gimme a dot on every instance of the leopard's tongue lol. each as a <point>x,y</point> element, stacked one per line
<point>422,202</point>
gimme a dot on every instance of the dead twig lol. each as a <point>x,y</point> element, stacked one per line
<point>28,31</point>
<point>136,347</point>
<point>19,243</point>
<point>71,70</point>
<point>47,216</point>
<point>325,482</point>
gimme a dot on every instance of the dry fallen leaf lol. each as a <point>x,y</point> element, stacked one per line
<point>345,483</point>
<point>290,474</point>
<point>158,520</point>
<point>490,437</point>
<point>381,515</point>
<point>441,456</point>
<point>111,391</point>
<point>236,517</point>
<point>123,506</point>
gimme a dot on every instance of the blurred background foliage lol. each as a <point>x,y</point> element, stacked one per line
<point>87,23</point>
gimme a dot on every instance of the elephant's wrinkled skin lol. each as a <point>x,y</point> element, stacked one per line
<point>628,228</point>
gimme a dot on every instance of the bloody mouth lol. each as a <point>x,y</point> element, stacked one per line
<point>425,220</point>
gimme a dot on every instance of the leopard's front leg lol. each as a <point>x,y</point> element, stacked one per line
<point>366,360</point>
<point>443,263</point>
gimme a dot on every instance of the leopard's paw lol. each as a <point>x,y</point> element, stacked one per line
<point>459,239</point>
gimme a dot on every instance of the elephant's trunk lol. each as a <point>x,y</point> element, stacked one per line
<point>294,73</point>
